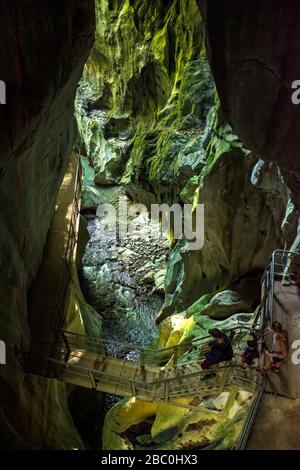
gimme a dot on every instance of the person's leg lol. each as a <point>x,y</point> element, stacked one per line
<point>206,364</point>
<point>267,365</point>
<point>248,356</point>
<point>286,280</point>
<point>268,362</point>
<point>249,359</point>
<point>276,364</point>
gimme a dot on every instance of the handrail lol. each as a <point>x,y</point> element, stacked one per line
<point>185,382</point>
<point>134,347</point>
<point>145,357</point>
<point>244,435</point>
<point>66,274</point>
<point>271,271</point>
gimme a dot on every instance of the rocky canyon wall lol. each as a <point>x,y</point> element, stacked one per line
<point>43,47</point>
<point>253,50</point>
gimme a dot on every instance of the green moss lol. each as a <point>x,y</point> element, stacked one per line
<point>148,62</point>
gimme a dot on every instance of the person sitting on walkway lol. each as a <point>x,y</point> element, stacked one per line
<point>251,352</point>
<point>279,348</point>
<point>220,349</point>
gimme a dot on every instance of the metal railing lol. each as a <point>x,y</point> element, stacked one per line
<point>149,358</point>
<point>244,435</point>
<point>66,274</point>
<point>73,348</point>
<point>77,355</point>
<point>285,266</point>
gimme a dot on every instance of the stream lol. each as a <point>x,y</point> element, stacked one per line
<point>123,277</point>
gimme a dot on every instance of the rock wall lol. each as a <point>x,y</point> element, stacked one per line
<point>146,91</point>
<point>243,221</point>
<point>149,120</point>
<point>43,47</point>
<point>254,59</point>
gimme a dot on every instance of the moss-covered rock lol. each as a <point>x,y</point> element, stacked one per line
<point>242,228</point>
<point>226,303</point>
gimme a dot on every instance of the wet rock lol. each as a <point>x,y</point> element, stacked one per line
<point>159,279</point>
<point>90,197</point>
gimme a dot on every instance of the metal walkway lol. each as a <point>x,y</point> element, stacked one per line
<point>150,374</point>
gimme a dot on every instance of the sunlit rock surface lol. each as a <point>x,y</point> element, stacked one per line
<point>156,100</point>
<point>133,424</point>
<point>145,95</point>
<point>242,224</point>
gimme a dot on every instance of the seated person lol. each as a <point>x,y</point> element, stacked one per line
<point>251,352</point>
<point>280,348</point>
<point>220,349</point>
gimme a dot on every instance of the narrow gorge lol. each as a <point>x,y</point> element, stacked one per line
<point>142,99</point>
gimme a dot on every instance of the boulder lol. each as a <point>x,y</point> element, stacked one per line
<point>226,303</point>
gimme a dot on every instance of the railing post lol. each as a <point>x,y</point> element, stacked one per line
<point>272,274</point>
<point>230,400</point>
<point>132,387</point>
<point>68,352</point>
<point>94,386</point>
<point>142,359</point>
<point>224,379</point>
<point>166,390</point>
<point>175,357</point>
